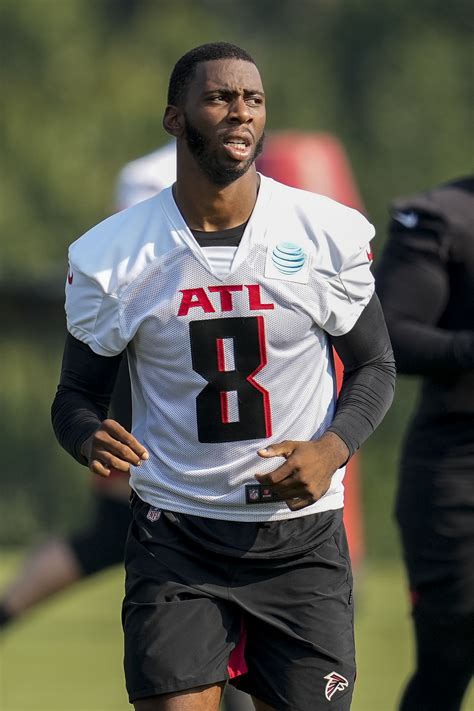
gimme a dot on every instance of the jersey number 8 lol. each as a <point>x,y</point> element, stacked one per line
<point>228,353</point>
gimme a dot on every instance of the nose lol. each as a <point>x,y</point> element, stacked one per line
<point>239,111</point>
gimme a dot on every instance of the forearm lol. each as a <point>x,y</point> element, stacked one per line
<point>369,378</point>
<point>83,395</point>
<point>364,399</point>
<point>74,419</point>
<point>422,349</point>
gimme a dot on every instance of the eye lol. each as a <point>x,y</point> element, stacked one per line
<point>255,100</point>
<point>217,98</point>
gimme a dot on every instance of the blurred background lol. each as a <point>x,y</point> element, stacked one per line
<point>83,87</point>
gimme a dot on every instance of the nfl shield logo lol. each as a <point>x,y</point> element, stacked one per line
<point>254,493</point>
<point>153,514</point>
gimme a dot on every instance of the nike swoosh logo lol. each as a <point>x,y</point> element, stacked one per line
<point>407,219</point>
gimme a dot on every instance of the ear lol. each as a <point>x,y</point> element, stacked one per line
<point>173,121</point>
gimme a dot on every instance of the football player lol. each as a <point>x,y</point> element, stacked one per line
<point>228,291</point>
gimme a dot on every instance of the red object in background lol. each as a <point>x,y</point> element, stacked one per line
<point>317,162</point>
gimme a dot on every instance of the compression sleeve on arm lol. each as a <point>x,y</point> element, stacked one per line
<point>83,395</point>
<point>369,377</point>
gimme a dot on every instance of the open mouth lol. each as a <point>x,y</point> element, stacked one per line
<point>237,147</point>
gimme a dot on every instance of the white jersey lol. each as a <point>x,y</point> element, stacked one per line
<point>146,176</point>
<point>223,364</point>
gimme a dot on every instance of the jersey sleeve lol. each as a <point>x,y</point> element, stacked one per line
<point>92,315</point>
<point>349,290</point>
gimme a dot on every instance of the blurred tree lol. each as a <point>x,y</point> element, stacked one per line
<point>84,84</point>
<point>83,89</point>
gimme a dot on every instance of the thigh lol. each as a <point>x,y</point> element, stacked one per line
<point>300,640</point>
<point>179,627</point>
<point>438,539</point>
<point>440,572</point>
<point>201,699</point>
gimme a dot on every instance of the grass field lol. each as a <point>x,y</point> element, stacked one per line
<point>67,656</point>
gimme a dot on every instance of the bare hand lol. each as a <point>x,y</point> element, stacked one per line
<point>112,447</point>
<point>306,474</point>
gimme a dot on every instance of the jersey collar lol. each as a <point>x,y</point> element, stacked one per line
<point>254,232</point>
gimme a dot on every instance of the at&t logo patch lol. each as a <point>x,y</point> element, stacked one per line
<point>287,261</point>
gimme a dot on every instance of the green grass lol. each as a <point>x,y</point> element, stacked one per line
<point>67,655</point>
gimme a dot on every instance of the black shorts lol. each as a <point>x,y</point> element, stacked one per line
<point>102,544</point>
<point>280,628</point>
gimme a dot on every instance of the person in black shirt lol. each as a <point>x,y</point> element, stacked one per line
<point>425,281</point>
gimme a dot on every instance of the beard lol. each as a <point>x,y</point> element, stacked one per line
<point>216,170</point>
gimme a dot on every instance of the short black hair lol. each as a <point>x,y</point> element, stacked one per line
<point>185,67</point>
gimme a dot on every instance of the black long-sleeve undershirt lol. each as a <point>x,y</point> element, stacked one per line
<point>369,377</point>
<point>83,396</point>
<point>87,381</point>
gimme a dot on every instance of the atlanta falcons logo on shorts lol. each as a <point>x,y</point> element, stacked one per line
<point>336,682</point>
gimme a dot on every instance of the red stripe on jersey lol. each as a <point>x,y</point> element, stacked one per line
<point>224,407</point>
<point>250,378</point>
<point>220,355</point>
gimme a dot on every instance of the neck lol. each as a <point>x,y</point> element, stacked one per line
<point>209,207</point>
